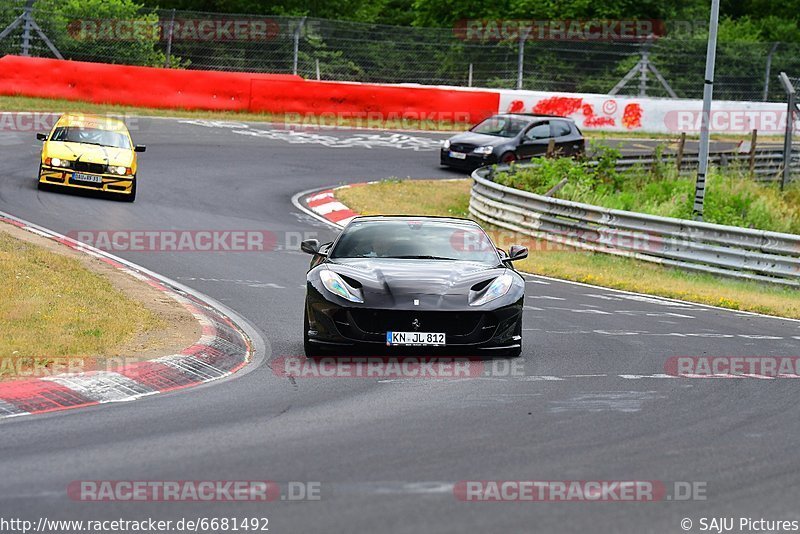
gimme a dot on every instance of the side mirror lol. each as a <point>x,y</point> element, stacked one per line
<point>517,252</point>
<point>310,246</point>
<point>41,137</point>
<point>139,148</point>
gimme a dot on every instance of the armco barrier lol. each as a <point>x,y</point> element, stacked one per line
<point>712,248</point>
<point>233,91</point>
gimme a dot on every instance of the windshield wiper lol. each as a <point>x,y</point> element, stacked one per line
<point>95,144</point>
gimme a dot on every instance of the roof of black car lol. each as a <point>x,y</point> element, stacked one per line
<point>536,116</point>
<point>454,220</point>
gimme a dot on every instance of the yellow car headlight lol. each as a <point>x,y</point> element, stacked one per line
<point>119,169</point>
<point>58,162</point>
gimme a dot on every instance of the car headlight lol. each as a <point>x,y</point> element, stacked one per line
<point>117,169</point>
<point>334,283</point>
<point>446,143</point>
<point>485,150</point>
<point>58,162</point>
<point>495,290</point>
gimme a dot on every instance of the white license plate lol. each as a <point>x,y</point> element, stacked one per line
<point>415,338</point>
<point>78,177</point>
<point>458,155</point>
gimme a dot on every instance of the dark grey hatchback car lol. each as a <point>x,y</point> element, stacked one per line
<point>511,137</point>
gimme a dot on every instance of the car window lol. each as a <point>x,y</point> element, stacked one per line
<point>92,136</point>
<point>500,126</point>
<point>560,128</point>
<point>415,239</point>
<point>539,131</point>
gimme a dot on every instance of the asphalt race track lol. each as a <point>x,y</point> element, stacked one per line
<point>593,403</point>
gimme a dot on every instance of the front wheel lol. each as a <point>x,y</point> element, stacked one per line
<point>39,185</point>
<point>508,157</point>
<point>128,197</point>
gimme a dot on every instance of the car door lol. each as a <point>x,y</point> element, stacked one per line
<point>534,140</point>
<point>567,139</point>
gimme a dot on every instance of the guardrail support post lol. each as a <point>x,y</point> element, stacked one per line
<point>551,148</point>
<point>679,155</point>
<point>752,156</point>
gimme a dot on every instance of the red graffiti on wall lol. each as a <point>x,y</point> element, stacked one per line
<point>632,116</point>
<point>558,105</point>
<point>516,106</point>
<point>565,106</point>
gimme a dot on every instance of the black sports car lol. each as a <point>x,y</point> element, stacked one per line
<point>402,284</point>
<point>511,137</point>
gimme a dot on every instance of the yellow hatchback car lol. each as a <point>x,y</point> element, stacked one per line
<point>91,153</point>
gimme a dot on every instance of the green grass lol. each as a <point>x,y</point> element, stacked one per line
<point>52,307</point>
<point>732,197</point>
<point>451,197</point>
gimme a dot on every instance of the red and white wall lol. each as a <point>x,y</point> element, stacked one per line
<point>280,93</point>
<point>650,115</point>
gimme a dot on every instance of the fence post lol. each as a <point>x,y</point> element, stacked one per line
<point>679,155</point>
<point>643,65</point>
<point>708,92</point>
<point>521,57</point>
<point>469,76</point>
<point>787,139</point>
<point>551,148</point>
<point>26,28</point>
<point>769,68</point>
<point>169,40</point>
<point>297,44</point>
<point>317,61</point>
<point>752,160</point>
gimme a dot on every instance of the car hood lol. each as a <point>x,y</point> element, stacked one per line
<point>479,139</point>
<point>89,153</point>
<point>400,282</point>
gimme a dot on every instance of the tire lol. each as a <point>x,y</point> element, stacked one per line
<point>132,196</point>
<point>39,185</point>
<point>127,197</point>
<point>508,157</point>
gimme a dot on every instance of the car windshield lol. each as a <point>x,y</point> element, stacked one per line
<point>501,126</point>
<point>415,239</point>
<point>91,136</point>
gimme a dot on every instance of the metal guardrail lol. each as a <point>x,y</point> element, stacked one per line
<point>767,164</point>
<point>711,248</point>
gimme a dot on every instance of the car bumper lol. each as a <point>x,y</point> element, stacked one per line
<point>467,330</point>
<point>64,178</point>
<point>470,161</point>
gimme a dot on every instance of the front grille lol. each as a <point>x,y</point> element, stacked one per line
<point>95,168</point>
<point>462,147</point>
<point>455,323</point>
